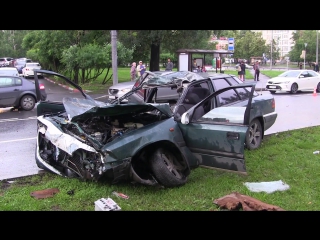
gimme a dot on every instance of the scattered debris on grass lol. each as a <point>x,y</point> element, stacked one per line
<point>104,204</point>
<point>46,193</point>
<point>70,192</point>
<point>237,201</point>
<point>118,194</point>
<point>268,187</point>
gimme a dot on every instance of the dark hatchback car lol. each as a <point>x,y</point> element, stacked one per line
<point>263,114</point>
<point>144,142</point>
<point>18,92</point>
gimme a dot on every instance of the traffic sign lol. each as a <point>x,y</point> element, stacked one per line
<point>230,48</point>
<point>230,44</point>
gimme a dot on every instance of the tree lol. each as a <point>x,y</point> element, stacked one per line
<point>149,43</point>
<point>301,37</point>
<point>249,44</point>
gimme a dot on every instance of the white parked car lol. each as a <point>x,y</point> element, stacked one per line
<point>9,71</point>
<point>27,70</point>
<point>295,80</point>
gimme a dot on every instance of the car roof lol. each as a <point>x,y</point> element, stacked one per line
<point>8,68</point>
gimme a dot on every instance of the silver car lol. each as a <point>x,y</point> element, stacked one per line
<point>118,90</point>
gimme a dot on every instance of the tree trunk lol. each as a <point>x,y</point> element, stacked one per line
<point>155,57</point>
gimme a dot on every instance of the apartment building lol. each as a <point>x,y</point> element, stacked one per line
<point>282,38</point>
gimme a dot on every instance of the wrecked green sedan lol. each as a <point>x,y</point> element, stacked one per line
<point>147,143</point>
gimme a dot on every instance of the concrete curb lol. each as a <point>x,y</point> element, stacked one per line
<point>65,86</point>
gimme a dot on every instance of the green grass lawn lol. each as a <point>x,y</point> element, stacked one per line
<point>286,156</point>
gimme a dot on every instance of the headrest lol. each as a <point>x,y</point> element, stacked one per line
<point>192,98</point>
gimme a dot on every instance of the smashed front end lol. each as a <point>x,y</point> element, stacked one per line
<point>74,143</point>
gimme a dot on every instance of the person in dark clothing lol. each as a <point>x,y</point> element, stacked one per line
<point>256,68</point>
<point>169,66</point>
<point>316,67</point>
<point>243,69</point>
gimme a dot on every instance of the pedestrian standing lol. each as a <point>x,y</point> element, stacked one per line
<point>169,65</point>
<point>240,74</point>
<point>133,71</point>
<point>256,68</point>
<point>316,67</point>
<point>243,69</point>
<point>141,69</point>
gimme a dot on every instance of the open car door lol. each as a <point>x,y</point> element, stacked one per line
<point>216,135</point>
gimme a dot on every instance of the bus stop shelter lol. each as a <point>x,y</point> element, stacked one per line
<point>201,56</point>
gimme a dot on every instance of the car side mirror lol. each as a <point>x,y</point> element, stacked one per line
<point>185,118</point>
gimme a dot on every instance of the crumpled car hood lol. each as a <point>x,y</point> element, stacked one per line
<point>78,108</point>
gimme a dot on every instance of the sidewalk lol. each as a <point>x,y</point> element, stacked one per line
<point>261,84</point>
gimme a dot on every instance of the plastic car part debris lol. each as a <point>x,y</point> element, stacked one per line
<point>118,194</point>
<point>268,187</point>
<point>104,204</point>
<point>46,193</point>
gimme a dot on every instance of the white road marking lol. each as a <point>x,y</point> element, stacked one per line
<point>17,119</point>
<point>17,140</point>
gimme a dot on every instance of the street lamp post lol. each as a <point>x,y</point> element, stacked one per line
<point>305,54</point>
<point>317,47</point>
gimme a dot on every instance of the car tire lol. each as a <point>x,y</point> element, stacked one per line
<point>167,169</point>
<point>254,135</point>
<point>272,92</point>
<point>27,102</point>
<point>294,88</point>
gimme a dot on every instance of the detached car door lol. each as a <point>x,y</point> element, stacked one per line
<point>216,135</point>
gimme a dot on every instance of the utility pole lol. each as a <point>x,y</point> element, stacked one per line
<point>114,56</point>
<point>317,47</point>
<point>271,50</point>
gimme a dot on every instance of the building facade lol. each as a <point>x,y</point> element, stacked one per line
<point>282,38</point>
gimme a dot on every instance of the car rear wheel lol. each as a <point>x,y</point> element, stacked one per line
<point>254,135</point>
<point>166,168</point>
<point>272,92</point>
<point>27,102</point>
<point>294,88</point>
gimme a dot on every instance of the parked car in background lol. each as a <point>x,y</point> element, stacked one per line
<point>263,114</point>
<point>6,62</point>
<point>18,92</point>
<point>28,69</point>
<point>9,71</point>
<point>118,90</point>
<point>164,94</point>
<point>293,81</point>
<point>144,142</point>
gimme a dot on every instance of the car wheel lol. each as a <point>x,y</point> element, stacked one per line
<point>318,87</point>
<point>254,135</point>
<point>294,88</point>
<point>272,92</point>
<point>27,102</point>
<point>167,169</point>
